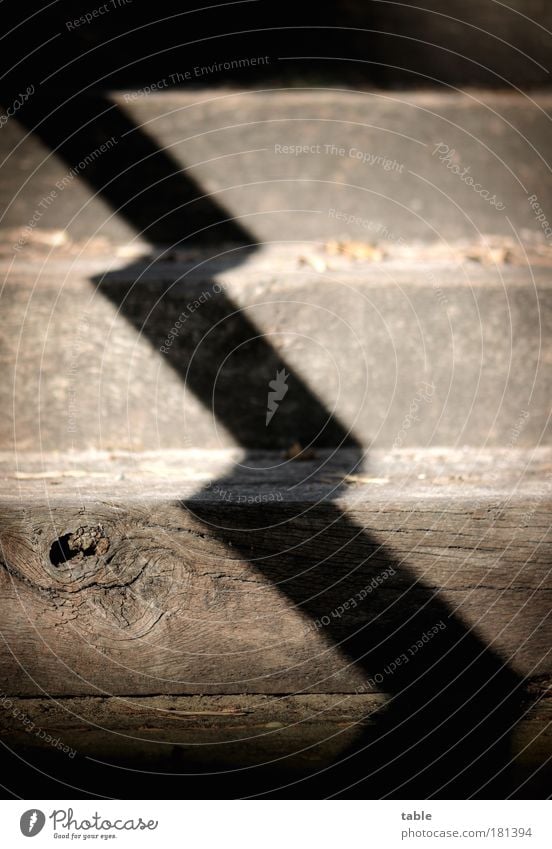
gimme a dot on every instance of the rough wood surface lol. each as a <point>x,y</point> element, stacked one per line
<point>251,728</point>
<point>101,355</point>
<point>189,573</point>
<point>414,586</point>
<point>266,192</point>
<point>254,726</point>
<point>135,747</point>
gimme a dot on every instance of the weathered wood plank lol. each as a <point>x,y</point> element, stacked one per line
<point>112,726</point>
<point>252,728</point>
<point>180,355</point>
<point>249,166</point>
<point>128,586</point>
<point>240,745</point>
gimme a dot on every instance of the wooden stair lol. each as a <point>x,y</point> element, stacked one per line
<point>354,596</point>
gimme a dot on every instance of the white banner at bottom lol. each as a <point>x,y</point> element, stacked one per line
<point>272,824</point>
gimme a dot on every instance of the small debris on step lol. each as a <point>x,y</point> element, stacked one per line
<point>355,250</point>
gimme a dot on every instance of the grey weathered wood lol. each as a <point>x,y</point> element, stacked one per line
<point>458,351</point>
<point>225,141</point>
<point>185,577</point>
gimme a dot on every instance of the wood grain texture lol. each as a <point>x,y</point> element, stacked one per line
<point>172,355</point>
<point>236,162</point>
<point>250,728</point>
<point>415,581</point>
<point>166,746</point>
<point>141,586</point>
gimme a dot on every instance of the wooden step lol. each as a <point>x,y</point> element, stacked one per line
<point>196,746</point>
<point>192,572</point>
<point>141,595</point>
<point>420,348</point>
<point>326,546</point>
<point>262,165</point>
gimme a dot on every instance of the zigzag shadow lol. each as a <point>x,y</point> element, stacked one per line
<point>446,728</point>
<point>455,702</point>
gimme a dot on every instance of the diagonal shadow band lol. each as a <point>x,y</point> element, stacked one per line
<point>141,182</point>
<point>453,701</point>
<point>446,728</point>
